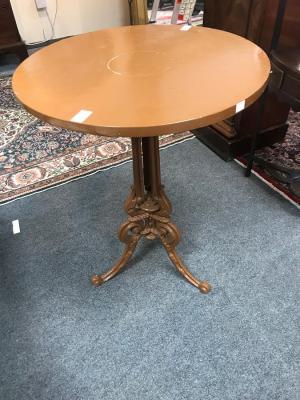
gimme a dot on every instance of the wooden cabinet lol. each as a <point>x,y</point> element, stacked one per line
<point>10,40</point>
<point>253,19</point>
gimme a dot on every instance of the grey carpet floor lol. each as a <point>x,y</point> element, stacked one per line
<point>148,334</point>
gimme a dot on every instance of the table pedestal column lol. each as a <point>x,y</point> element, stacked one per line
<point>148,210</point>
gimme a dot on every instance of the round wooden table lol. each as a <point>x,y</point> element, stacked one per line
<point>142,82</point>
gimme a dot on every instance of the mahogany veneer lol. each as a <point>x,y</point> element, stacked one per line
<point>253,19</point>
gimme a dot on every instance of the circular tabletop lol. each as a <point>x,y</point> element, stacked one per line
<point>144,80</point>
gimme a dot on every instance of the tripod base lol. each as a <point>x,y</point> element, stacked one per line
<point>148,210</point>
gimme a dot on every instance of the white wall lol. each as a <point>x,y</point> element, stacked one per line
<point>73,17</point>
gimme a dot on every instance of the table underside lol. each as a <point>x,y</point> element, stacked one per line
<point>148,210</point>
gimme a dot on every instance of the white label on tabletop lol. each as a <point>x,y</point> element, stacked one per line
<point>186,27</point>
<point>240,106</point>
<point>81,116</point>
<point>16,226</point>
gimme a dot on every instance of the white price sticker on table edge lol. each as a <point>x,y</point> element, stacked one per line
<point>240,106</point>
<point>81,116</point>
<point>186,27</point>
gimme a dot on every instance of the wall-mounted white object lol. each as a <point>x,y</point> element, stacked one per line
<point>73,17</point>
<point>41,4</point>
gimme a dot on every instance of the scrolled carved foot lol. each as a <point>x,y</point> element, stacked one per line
<point>96,280</point>
<point>204,287</point>
<point>132,241</point>
<point>168,243</point>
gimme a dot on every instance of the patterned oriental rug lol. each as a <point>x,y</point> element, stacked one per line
<point>285,157</point>
<point>35,155</point>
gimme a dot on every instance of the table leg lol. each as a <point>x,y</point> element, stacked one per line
<point>148,209</point>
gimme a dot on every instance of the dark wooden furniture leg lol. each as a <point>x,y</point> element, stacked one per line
<point>149,210</point>
<point>259,117</point>
<point>285,84</point>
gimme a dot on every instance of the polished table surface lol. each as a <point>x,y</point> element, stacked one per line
<point>142,82</point>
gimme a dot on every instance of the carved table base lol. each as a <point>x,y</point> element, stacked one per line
<point>148,210</point>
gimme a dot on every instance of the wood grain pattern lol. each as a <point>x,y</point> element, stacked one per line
<point>253,19</point>
<point>139,12</point>
<point>290,34</point>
